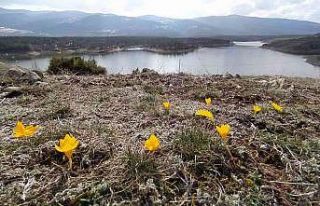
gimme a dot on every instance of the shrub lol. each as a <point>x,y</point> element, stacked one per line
<point>74,65</point>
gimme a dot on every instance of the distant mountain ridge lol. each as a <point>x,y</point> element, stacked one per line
<point>76,23</point>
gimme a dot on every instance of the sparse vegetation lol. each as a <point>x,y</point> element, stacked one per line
<point>139,166</point>
<point>153,89</point>
<point>274,160</point>
<point>59,111</point>
<point>147,103</point>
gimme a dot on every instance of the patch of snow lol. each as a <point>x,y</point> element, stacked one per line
<point>163,27</point>
<point>12,31</point>
<point>110,31</point>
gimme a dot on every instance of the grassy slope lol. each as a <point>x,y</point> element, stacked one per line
<point>275,156</point>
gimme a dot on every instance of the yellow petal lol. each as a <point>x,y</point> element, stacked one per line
<point>277,107</point>
<point>68,143</point>
<point>19,130</point>
<point>205,113</point>
<point>31,130</point>
<point>152,144</point>
<point>166,105</point>
<point>256,108</point>
<point>208,101</point>
<point>223,130</point>
<point>58,148</point>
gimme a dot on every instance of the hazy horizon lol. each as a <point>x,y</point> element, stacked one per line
<point>306,10</point>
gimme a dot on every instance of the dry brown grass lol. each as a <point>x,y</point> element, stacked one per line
<point>275,156</point>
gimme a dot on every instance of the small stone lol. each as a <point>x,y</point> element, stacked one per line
<point>227,75</point>
<point>238,76</point>
<point>12,89</point>
<point>40,83</point>
<point>11,92</point>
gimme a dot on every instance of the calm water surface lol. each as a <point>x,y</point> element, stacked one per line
<point>244,59</point>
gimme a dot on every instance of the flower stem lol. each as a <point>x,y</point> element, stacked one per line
<point>228,150</point>
<point>70,163</point>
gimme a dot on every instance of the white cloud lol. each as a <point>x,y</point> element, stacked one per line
<point>296,9</point>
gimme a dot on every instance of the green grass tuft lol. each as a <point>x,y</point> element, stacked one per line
<point>140,166</point>
<point>153,89</point>
<point>192,142</point>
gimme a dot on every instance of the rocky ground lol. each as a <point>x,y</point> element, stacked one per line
<point>275,156</point>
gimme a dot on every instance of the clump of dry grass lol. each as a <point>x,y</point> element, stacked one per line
<point>274,160</point>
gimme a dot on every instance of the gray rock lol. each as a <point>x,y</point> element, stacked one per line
<point>11,92</point>
<point>12,89</point>
<point>17,74</point>
<point>148,71</point>
<point>39,73</point>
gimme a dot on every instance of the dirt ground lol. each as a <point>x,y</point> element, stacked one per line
<point>274,159</point>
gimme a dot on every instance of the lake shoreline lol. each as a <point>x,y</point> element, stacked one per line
<point>308,46</point>
<point>101,45</point>
<point>310,59</point>
<point>233,59</point>
<point>32,55</point>
<point>313,59</point>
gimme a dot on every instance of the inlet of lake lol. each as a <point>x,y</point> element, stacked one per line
<point>245,58</point>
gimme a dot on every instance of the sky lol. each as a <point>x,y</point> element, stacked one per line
<point>292,9</point>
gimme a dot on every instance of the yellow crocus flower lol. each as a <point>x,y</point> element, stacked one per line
<point>152,144</point>
<point>249,182</point>
<point>208,101</point>
<point>21,131</point>
<point>166,105</point>
<point>223,131</point>
<point>256,109</point>
<point>67,145</point>
<point>277,107</point>
<point>205,113</point>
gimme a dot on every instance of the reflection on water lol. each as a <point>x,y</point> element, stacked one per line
<point>244,59</point>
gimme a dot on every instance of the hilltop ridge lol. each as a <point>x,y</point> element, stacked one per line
<point>74,23</point>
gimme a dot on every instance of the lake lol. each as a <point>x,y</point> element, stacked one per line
<point>245,58</point>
